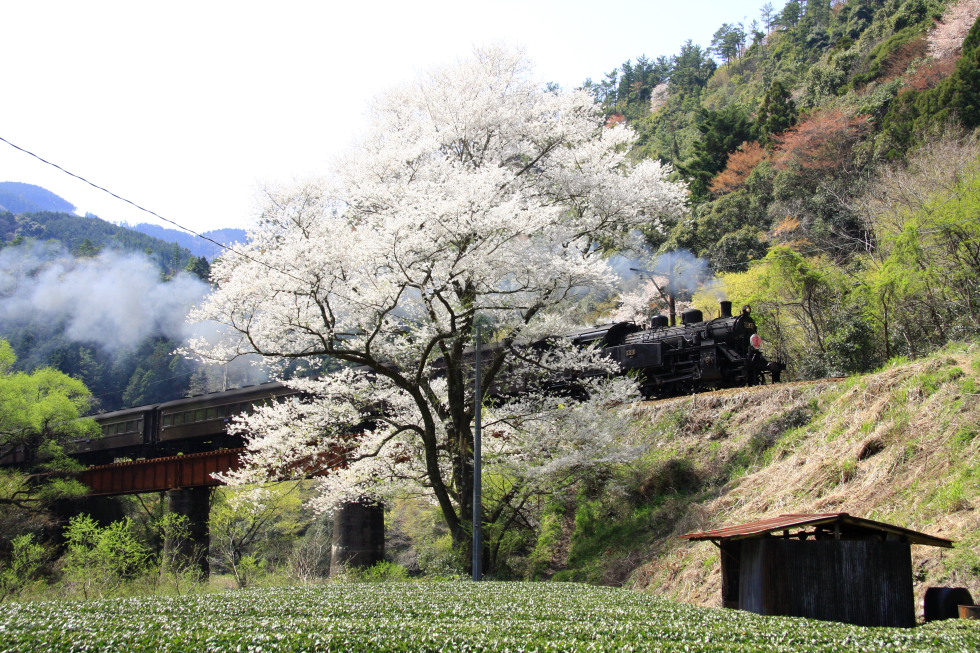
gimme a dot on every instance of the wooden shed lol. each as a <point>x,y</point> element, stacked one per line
<point>829,566</point>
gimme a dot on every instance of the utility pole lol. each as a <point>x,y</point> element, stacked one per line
<point>477,468</point>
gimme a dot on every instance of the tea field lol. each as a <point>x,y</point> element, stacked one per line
<point>450,616</point>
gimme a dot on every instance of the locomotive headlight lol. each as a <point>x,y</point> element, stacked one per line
<point>756,341</point>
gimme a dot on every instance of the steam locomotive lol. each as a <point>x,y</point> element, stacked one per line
<point>668,360</point>
<point>697,355</point>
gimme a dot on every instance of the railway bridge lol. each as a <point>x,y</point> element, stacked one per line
<point>177,447</point>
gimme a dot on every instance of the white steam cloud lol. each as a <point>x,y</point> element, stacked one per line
<point>114,300</point>
<point>679,273</point>
<point>685,272</point>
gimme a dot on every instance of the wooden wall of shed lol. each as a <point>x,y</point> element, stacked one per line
<point>863,582</point>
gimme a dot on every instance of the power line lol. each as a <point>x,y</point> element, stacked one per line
<point>150,212</point>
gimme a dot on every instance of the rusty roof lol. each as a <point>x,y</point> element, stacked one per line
<point>826,519</point>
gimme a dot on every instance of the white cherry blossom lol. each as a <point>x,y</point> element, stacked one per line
<point>478,196</point>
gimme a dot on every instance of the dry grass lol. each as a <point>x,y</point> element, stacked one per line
<point>901,446</point>
<point>946,38</point>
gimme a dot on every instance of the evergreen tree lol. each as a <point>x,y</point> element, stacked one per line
<point>693,68</point>
<point>199,267</point>
<point>160,375</point>
<point>721,133</point>
<point>768,15</point>
<point>791,13</point>
<point>87,249</point>
<point>777,113</point>
<point>813,26</point>
<point>965,84</point>
<point>728,42</point>
<point>855,17</point>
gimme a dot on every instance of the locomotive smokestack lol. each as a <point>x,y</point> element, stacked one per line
<point>726,309</point>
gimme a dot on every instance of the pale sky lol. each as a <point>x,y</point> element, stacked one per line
<point>187,107</point>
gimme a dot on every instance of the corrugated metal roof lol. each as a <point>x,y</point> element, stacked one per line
<point>834,519</point>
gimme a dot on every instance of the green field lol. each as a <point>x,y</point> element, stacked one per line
<point>450,616</point>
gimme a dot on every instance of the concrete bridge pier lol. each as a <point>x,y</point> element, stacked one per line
<point>104,510</point>
<point>358,536</point>
<point>190,552</point>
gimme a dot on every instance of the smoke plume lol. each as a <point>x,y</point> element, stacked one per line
<point>647,279</point>
<point>114,300</point>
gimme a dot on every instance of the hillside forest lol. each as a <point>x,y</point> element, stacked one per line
<point>831,154</point>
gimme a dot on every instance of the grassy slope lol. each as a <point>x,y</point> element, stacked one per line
<point>899,446</point>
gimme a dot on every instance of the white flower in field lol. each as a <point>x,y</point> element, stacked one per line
<point>478,197</point>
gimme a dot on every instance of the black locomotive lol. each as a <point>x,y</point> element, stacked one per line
<point>697,355</point>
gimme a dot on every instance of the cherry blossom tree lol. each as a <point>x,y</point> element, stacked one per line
<point>477,197</point>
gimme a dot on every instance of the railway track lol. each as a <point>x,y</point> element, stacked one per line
<point>723,392</point>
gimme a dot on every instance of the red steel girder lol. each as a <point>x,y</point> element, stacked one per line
<point>160,474</point>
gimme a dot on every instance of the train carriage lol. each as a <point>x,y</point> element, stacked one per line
<point>125,433</point>
<point>203,420</point>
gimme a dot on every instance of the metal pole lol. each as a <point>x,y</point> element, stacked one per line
<point>477,469</point>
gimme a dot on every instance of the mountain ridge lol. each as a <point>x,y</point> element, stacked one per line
<point>19,197</point>
<point>197,245</point>
<point>23,199</point>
